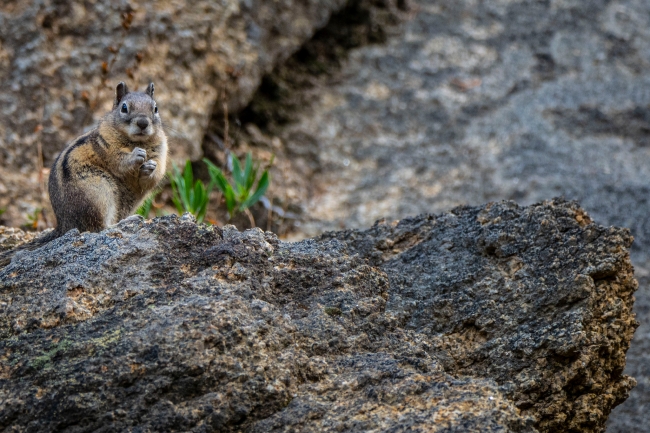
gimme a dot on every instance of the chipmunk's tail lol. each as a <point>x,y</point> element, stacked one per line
<point>5,257</point>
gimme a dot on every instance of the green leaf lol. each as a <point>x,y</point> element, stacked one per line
<point>231,203</point>
<point>236,170</point>
<point>187,190</point>
<point>200,203</point>
<point>178,204</point>
<point>247,180</point>
<point>221,182</point>
<point>145,207</point>
<point>251,179</point>
<point>212,170</point>
<point>174,178</point>
<point>262,186</point>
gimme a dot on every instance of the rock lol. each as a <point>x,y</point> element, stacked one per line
<point>529,306</point>
<point>479,101</point>
<point>54,87</point>
<point>11,237</point>
<point>493,318</point>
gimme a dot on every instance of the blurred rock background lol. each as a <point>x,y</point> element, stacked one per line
<point>373,108</point>
<point>60,62</point>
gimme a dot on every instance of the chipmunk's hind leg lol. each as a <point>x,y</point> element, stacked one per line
<point>87,215</point>
<point>87,205</point>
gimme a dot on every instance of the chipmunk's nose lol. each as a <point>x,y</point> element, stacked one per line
<point>143,122</point>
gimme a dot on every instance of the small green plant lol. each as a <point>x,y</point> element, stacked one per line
<point>2,210</point>
<point>240,195</point>
<point>189,195</point>
<point>145,208</point>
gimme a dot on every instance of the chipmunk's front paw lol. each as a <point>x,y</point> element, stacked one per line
<point>148,167</point>
<point>138,157</point>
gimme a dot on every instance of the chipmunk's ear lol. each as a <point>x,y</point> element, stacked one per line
<point>120,91</point>
<point>149,90</point>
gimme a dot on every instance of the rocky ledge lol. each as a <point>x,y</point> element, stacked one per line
<point>494,318</point>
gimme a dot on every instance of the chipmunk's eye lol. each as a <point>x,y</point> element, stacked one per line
<point>125,109</point>
<point>155,109</point>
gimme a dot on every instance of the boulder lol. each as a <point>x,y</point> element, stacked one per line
<point>492,318</point>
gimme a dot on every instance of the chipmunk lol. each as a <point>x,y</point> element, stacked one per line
<point>102,177</point>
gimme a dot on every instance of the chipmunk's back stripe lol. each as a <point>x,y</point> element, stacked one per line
<point>101,140</point>
<point>100,146</point>
<point>65,165</point>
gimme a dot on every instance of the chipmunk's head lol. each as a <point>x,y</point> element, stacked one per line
<point>135,114</point>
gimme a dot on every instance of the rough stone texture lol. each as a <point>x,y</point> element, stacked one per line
<point>495,318</point>
<point>51,55</point>
<point>477,101</point>
<point>517,321</point>
<point>11,237</point>
<point>469,102</point>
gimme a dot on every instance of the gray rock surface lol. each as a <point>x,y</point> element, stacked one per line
<point>477,101</point>
<point>493,319</point>
<point>465,102</point>
<point>51,56</point>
